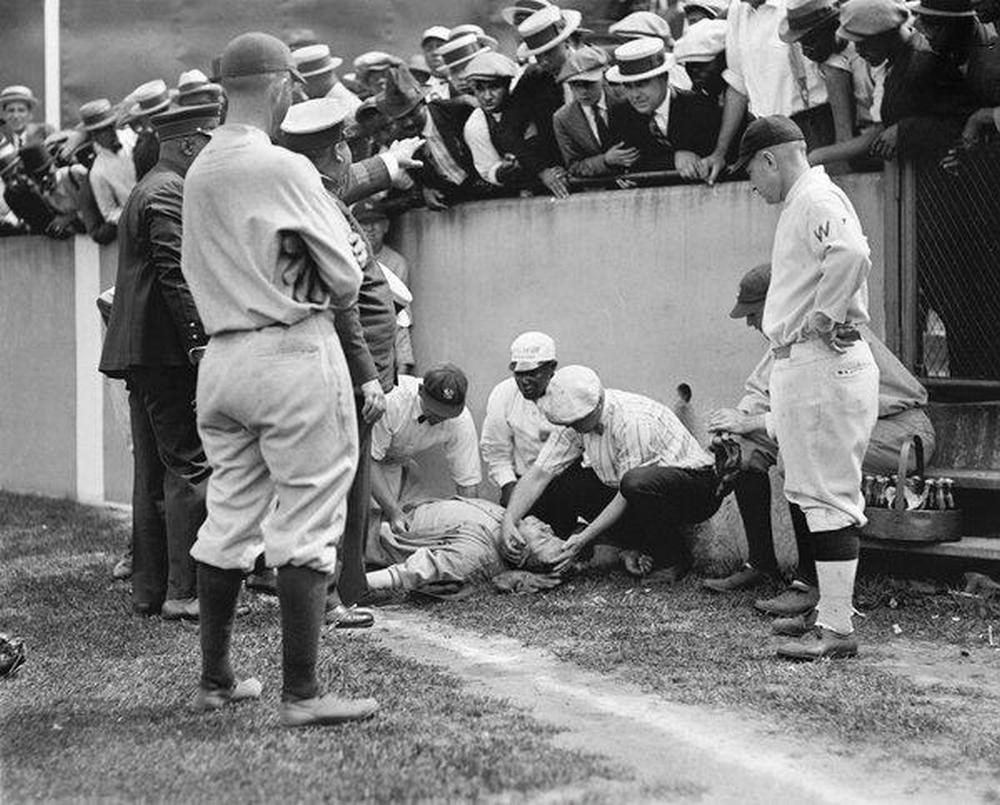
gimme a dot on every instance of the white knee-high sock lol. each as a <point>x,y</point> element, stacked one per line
<point>836,594</point>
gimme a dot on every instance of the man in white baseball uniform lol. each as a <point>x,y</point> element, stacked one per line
<point>824,384</point>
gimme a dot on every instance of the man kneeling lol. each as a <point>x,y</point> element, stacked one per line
<point>647,474</point>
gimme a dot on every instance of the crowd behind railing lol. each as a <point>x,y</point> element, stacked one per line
<point>660,95</point>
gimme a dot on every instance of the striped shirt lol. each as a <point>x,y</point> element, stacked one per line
<point>637,432</point>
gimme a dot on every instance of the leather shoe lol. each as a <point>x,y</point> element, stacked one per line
<point>819,643</point>
<point>341,617</point>
<point>324,710</point>
<point>796,600</point>
<point>178,609</point>
<point>746,578</point>
<point>794,626</point>
<point>207,700</point>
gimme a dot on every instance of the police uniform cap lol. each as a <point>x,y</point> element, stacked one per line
<point>182,121</point>
<point>312,125</point>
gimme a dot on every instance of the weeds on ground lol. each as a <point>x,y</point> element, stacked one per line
<point>100,710</point>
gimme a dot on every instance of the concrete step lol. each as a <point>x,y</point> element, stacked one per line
<point>985,548</point>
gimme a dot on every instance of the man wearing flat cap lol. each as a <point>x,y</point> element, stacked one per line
<point>824,382</point>
<point>585,128</point>
<point>154,342</point>
<point>275,403</point>
<point>901,404</point>
<point>654,477</point>
<point>422,414</point>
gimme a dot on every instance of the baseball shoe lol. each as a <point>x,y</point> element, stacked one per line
<point>342,617</point>
<point>797,599</point>
<point>746,578</point>
<point>795,625</point>
<point>178,609</point>
<point>819,643</point>
<point>326,710</point>
<point>206,700</point>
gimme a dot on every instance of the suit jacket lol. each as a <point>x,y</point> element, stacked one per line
<point>366,178</point>
<point>449,118</point>
<point>154,321</point>
<point>694,126</point>
<point>34,133</point>
<point>581,152</point>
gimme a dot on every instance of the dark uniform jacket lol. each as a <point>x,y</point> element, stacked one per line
<point>693,126</point>
<point>154,321</point>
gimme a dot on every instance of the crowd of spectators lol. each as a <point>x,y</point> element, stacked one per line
<point>666,90</point>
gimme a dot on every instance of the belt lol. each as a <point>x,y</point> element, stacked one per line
<point>784,351</point>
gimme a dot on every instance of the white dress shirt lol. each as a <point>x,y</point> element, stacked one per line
<point>589,112</point>
<point>772,75</point>
<point>662,114</point>
<point>514,431</point>
<point>637,432</point>
<point>485,156</point>
<point>399,435</point>
<point>112,176</point>
<point>862,81</point>
<point>819,264</point>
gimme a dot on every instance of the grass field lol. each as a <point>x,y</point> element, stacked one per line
<point>101,709</point>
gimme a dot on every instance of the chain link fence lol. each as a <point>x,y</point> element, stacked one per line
<point>957,250</point>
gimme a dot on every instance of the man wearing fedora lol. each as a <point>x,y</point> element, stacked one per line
<point>670,128</point>
<point>509,147</point>
<point>319,68</point>
<point>274,401</point>
<point>448,173</point>
<point>765,77</point>
<point>422,414</point>
<point>112,176</point>
<point>17,109</point>
<point>823,386</point>
<point>154,342</point>
<point>583,127</point>
<point>901,413</point>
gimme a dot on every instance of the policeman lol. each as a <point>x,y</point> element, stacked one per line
<point>824,384</point>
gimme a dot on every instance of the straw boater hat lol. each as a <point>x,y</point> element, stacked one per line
<point>521,10</point>
<point>805,16</point>
<point>485,39</point>
<point>458,52</point>
<point>545,29</point>
<point>96,115</point>
<point>702,42</point>
<point>182,121</point>
<point>313,60</point>
<point>640,59</point>
<point>194,89</point>
<point>150,98</point>
<point>17,92</point>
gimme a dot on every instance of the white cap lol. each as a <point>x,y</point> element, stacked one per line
<point>310,117</point>
<point>573,393</point>
<point>490,64</point>
<point>530,350</point>
<point>702,42</point>
<point>191,79</point>
<point>436,32</point>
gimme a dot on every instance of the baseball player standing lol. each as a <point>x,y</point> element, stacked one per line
<point>824,384</point>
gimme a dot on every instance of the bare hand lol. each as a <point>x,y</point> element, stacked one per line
<point>688,165</point>
<point>399,523</point>
<point>374,405</point>
<point>711,166</point>
<point>621,156</point>
<point>571,550</point>
<point>403,151</point>
<point>434,199</point>
<point>730,420</point>
<point>839,338</point>
<point>886,144</point>
<point>513,546</point>
<point>555,180</point>
<point>358,247</point>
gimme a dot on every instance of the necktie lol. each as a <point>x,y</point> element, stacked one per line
<point>658,135</point>
<point>603,133</point>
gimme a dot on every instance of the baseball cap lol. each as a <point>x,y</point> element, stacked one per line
<point>443,391</point>
<point>257,53</point>
<point>753,291</point>
<point>860,19</point>
<point>763,133</point>
<point>530,350</point>
<point>573,393</point>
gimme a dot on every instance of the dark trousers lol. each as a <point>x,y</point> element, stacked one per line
<point>161,403</point>
<point>576,492</point>
<point>660,500</point>
<point>351,585</point>
<point>817,126</point>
